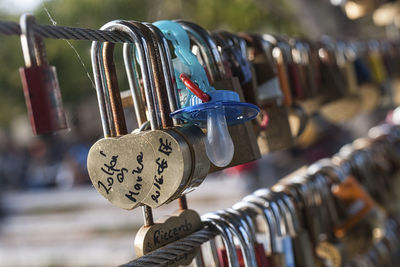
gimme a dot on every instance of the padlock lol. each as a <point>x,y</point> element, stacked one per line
<point>295,78</point>
<point>284,217</point>
<point>154,197</point>
<point>254,204</point>
<point>120,178</point>
<point>303,251</point>
<point>239,228</point>
<point>277,255</point>
<point>329,249</point>
<point>375,61</point>
<point>379,165</point>
<point>233,52</point>
<point>333,83</point>
<point>289,81</point>
<point>192,135</point>
<point>244,221</point>
<point>228,255</point>
<point>243,137</point>
<point>40,83</point>
<point>345,60</point>
<point>299,189</point>
<point>369,92</point>
<point>354,203</point>
<point>276,135</point>
<point>300,57</point>
<point>251,211</point>
<point>159,145</point>
<point>340,104</point>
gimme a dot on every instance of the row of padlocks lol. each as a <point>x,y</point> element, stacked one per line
<point>209,101</point>
<point>342,211</point>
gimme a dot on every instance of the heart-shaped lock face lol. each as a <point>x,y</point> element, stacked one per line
<point>122,169</point>
<point>173,164</point>
<point>167,230</point>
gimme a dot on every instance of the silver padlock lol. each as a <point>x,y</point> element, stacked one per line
<point>117,172</point>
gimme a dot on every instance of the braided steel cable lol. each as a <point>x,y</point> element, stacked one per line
<point>67,33</point>
<point>170,253</point>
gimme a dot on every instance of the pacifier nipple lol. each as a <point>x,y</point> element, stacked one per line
<point>219,145</point>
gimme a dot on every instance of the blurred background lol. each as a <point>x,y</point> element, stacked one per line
<point>50,215</point>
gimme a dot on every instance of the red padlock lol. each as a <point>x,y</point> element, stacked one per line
<point>40,83</point>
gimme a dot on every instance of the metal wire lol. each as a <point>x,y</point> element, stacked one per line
<point>169,253</point>
<point>67,33</point>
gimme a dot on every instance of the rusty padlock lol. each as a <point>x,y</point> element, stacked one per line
<point>40,83</point>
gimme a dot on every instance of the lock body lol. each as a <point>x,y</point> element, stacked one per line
<point>303,252</point>
<point>43,99</point>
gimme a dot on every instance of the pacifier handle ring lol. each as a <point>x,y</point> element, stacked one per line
<point>194,88</point>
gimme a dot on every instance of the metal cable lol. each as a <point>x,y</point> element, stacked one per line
<point>68,33</point>
<point>166,255</point>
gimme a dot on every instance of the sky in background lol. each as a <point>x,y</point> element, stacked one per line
<point>19,6</point>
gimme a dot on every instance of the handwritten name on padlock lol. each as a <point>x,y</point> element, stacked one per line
<point>167,230</point>
<point>121,168</point>
<point>143,168</point>
<point>173,165</point>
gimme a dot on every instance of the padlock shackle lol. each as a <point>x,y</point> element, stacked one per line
<point>328,200</point>
<point>266,213</point>
<point>243,220</point>
<point>142,51</point>
<point>285,215</point>
<point>294,225</point>
<point>160,94</point>
<point>98,70</point>
<point>132,74</point>
<point>304,51</point>
<point>113,89</point>
<point>245,217</point>
<point>239,230</point>
<point>105,111</point>
<point>33,48</point>
<point>237,55</point>
<point>226,234</point>
<point>167,66</point>
<point>208,49</point>
<point>270,201</point>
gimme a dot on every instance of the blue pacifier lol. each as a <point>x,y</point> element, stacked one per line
<point>202,105</point>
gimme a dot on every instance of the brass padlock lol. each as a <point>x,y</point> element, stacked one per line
<point>276,135</point>
<point>242,135</point>
<point>376,64</point>
<point>168,103</point>
<point>292,86</point>
<point>191,166</point>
